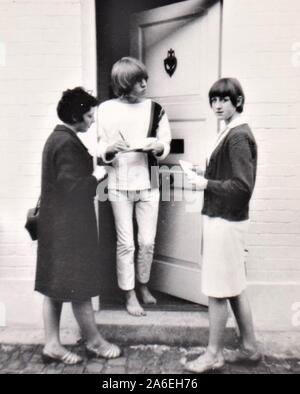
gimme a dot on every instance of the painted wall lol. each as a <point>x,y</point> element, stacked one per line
<point>40,56</point>
<point>260,44</point>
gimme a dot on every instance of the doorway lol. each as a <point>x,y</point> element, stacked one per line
<point>193,28</point>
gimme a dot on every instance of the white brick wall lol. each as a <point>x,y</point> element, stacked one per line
<point>42,43</point>
<point>258,42</point>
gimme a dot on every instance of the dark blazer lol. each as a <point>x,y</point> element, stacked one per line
<point>231,175</point>
<point>68,255</point>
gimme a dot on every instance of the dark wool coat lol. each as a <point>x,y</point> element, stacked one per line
<point>68,262</point>
<point>231,175</point>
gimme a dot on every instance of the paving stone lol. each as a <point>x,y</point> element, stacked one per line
<point>34,369</point>
<point>73,370</point>
<point>94,367</point>
<point>170,361</point>
<point>295,366</point>
<point>116,370</point>
<point>51,370</point>
<point>279,367</point>
<point>117,362</point>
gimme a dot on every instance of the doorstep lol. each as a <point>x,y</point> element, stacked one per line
<point>158,327</point>
<point>187,329</point>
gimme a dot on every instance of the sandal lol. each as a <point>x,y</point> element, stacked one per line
<point>200,366</point>
<point>108,351</point>
<point>243,356</point>
<point>69,358</point>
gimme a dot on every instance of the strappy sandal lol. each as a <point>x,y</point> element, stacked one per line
<point>109,351</point>
<point>69,358</point>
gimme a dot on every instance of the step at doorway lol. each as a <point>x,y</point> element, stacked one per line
<point>165,303</point>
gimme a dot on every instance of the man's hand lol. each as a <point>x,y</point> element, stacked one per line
<point>119,146</point>
<point>157,148</point>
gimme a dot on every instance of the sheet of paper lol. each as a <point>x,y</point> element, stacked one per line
<point>138,147</point>
<point>187,168</point>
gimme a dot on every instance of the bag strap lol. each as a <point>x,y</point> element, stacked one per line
<point>38,204</point>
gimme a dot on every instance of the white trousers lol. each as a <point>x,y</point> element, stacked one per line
<point>144,204</point>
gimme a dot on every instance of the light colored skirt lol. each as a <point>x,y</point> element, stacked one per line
<point>223,264</point>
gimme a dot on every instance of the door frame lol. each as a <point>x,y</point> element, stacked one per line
<point>89,45</point>
<point>89,73</point>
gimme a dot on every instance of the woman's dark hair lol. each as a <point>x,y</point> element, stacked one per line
<point>74,104</point>
<point>125,73</point>
<point>228,87</point>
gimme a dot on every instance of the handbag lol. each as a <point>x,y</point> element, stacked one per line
<point>31,224</point>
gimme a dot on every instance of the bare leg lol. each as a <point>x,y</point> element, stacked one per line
<point>147,297</point>
<point>84,314</point>
<point>133,306</point>
<point>218,315</point>
<point>85,317</point>
<point>242,312</point>
<point>147,216</point>
<point>52,313</point>
<point>213,358</point>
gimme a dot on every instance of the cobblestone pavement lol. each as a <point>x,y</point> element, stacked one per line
<point>26,359</point>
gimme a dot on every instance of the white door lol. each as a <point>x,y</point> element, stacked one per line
<point>192,29</point>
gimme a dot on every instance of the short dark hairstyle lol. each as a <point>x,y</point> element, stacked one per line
<point>74,103</point>
<point>228,87</point>
<point>125,73</point>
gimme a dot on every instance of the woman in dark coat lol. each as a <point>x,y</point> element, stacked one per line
<point>68,263</point>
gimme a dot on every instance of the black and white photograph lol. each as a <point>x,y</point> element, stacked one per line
<point>149,189</point>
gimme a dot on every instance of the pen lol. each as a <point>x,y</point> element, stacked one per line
<point>122,136</point>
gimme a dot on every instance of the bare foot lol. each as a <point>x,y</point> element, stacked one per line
<point>132,304</point>
<point>147,297</point>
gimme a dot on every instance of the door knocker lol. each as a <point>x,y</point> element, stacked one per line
<point>171,62</point>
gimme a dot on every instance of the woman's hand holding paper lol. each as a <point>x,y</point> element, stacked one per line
<point>197,180</point>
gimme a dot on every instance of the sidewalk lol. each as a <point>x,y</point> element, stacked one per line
<point>142,359</point>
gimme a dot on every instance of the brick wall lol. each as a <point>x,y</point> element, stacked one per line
<point>258,40</point>
<point>40,50</point>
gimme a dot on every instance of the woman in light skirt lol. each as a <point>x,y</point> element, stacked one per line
<point>228,185</point>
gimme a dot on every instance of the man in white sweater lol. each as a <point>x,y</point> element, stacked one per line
<point>134,135</point>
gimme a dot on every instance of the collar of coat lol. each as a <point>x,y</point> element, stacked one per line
<point>225,130</point>
<point>65,129</point>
